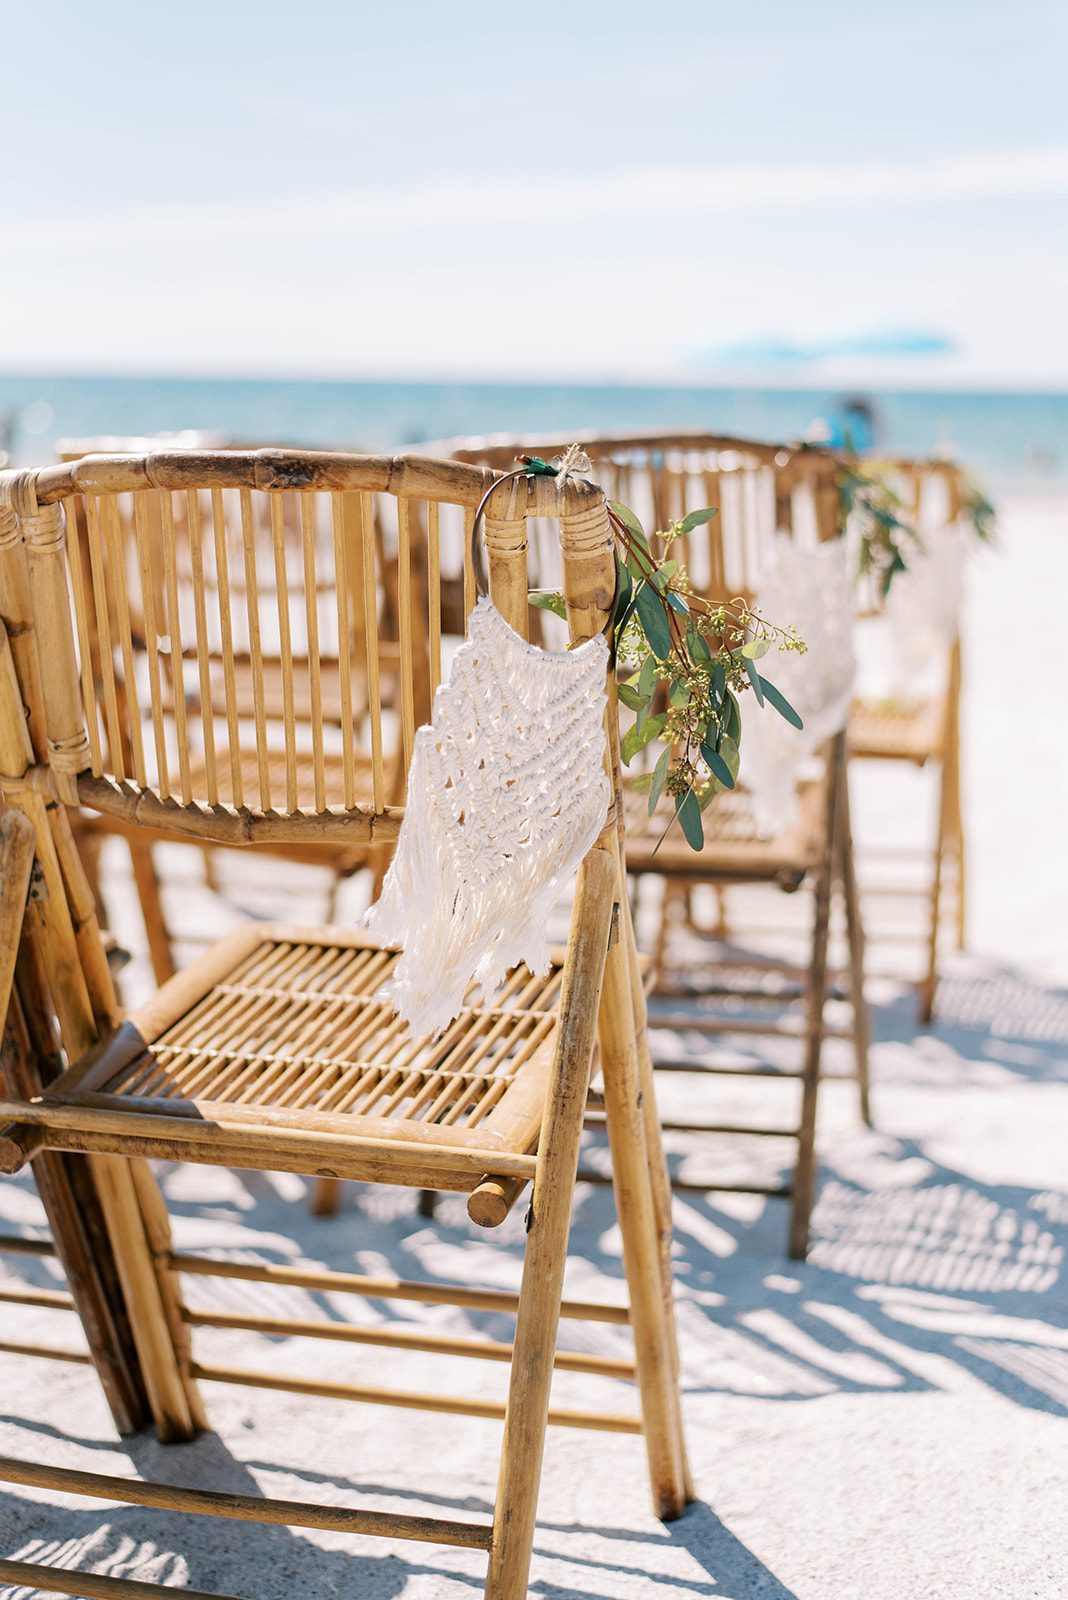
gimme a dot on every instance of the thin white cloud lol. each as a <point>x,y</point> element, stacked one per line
<point>651,193</point>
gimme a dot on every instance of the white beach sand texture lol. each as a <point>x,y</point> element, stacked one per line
<point>885,1422</point>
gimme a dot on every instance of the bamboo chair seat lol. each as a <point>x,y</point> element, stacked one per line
<point>283,1028</point>
<point>897,730</point>
<point>734,850</point>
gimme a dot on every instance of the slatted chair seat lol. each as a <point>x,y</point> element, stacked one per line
<point>284,1028</point>
<point>735,850</point>
<point>898,730</point>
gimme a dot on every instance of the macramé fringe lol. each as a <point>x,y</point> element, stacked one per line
<point>507,793</point>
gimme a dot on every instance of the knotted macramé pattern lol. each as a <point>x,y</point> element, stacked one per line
<point>507,792</point>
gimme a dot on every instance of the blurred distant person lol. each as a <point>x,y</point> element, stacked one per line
<point>856,427</point>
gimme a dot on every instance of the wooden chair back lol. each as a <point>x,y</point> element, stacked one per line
<point>756,490</point>
<point>184,563</point>
<point>257,680</point>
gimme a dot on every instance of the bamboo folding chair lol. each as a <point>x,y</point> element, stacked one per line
<point>272,1051</point>
<point>925,731</point>
<point>756,490</point>
<point>254,684</point>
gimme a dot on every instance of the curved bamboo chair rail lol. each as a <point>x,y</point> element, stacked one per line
<point>255,680</point>
<point>271,1051</point>
<point>925,732</point>
<point>757,489</point>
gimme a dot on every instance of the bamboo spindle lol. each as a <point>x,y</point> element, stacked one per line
<point>226,637</point>
<point>252,607</point>
<point>16,613</point>
<point>343,597</point>
<point>68,743</point>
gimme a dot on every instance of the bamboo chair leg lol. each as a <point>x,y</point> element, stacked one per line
<point>89,846</point>
<point>331,898</point>
<point>855,930</point>
<point>147,882</point>
<point>211,875</point>
<point>644,1206</point>
<point>171,1392</point>
<point>672,895</point>
<point>161,1245</point>
<point>953,758</point>
<point>325,1197</point>
<point>72,1206</point>
<point>719,928</point>
<point>804,1184</point>
<point>962,873</point>
<point>934,911</point>
<point>538,1311</point>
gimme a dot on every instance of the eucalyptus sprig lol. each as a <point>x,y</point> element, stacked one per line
<point>977,508</point>
<point>683,661</point>
<point>887,541</point>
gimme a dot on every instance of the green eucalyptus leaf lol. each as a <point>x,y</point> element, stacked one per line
<point>719,680</point>
<point>628,519</point>
<point>654,621</point>
<point>548,600</point>
<point>697,645</point>
<point>636,738</point>
<point>733,724</point>
<point>754,679</point>
<point>630,697</point>
<point>679,693</point>
<point>730,754</point>
<point>776,698</point>
<point>755,649</point>
<point>624,587</point>
<point>694,519</point>
<point>660,773</point>
<point>677,602</point>
<point>648,677</point>
<point>642,783</point>
<point>688,812</point>
<point>718,766</point>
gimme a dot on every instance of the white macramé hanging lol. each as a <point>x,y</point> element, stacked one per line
<point>813,587</point>
<point>905,652</point>
<point>507,792</point>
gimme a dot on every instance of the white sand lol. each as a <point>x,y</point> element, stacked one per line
<point>885,1422</point>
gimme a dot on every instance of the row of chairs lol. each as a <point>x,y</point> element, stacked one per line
<point>185,638</point>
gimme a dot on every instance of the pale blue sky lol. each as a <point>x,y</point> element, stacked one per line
<point>582,191</point>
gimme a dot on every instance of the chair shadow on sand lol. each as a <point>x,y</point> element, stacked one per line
<point>140,1543</point>
<point>911,1275</point>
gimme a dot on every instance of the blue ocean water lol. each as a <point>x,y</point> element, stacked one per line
<point>1010,440</point>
